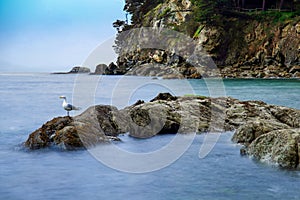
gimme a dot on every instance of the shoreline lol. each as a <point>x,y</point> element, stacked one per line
<point>161,78</point>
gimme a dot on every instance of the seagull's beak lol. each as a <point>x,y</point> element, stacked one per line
<point>61,97</point>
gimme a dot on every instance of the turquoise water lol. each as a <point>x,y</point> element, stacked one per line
<point>29,100</point>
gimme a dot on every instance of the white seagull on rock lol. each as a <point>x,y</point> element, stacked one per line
<point>68,107</point>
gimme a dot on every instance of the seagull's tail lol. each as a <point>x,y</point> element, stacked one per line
<point>76,108</point>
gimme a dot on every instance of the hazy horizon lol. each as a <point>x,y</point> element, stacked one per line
<point>54,35</point>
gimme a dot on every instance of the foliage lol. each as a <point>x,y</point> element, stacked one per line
<point>209,11</point>
<point>119,24</point>
<point>198,31</point>
<point>138,8</point>
<point>164,13</point>
<point>275,16</point>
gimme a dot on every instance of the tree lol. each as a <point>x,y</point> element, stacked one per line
<point>119,25</point>
<point>138,8</point>
<point>210,11</point>
<point>264,5</point>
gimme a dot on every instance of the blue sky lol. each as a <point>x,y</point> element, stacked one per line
<point>53,35</point>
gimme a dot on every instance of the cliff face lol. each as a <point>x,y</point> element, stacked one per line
<point>251,48</point>
<point>241,45</point>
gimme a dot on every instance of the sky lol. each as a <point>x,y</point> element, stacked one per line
<point>54,35</point>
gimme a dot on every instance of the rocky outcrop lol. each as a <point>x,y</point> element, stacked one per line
<point>267,50</point>
<point>100,69</point>
<point>76,70</point>
<point>272,140</point>
<point>279,147</point>
<point>266,131</point>
<point>43,136</point>
<point>241,45</point>
<point>248,132</point>
<point>111,69</point>
<point>92,127</point>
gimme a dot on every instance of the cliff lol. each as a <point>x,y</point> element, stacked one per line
<point>242,44</point>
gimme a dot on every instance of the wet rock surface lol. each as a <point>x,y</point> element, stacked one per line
<point>279,147</point>
<point>268,132</point>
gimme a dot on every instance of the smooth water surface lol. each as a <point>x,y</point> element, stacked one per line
<point>29,100</point>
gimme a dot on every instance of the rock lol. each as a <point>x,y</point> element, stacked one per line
<point>279,147</point>
<point>243,151</point>
<point>248,132</point>
<point>43,136</point>
<point>148,69</point>
<point>298,28</point>
<point>148,120</point>
<point>100,69</point>
<point>95,125</point>
<point>173,76</point>
<point>103,116</point>
<point>294,69</point>
<point>111,69</point>
<point>67,138</point>
<point>269,133</point>
<point>76,70</point>
<point>158,56</point>
<point>286,115</point>
<point>164,96</point>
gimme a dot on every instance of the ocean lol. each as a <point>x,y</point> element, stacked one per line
<point>29,100</point>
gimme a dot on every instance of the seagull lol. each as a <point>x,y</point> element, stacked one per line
<point>68,107</point>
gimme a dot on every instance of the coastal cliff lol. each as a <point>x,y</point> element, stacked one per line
<point>258,44</point>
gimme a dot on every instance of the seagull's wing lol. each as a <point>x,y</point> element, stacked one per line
<point>68,107</point>
<point>74,107</point>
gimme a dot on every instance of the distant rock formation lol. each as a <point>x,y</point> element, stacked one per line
<point>75,70</point>
<point>100,69</point>
<point>269,133</point>
<point>111,69</point>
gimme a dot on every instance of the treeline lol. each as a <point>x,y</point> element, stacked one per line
<point>210,12</point>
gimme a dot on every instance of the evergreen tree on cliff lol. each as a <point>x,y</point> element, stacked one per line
<point>209,11</point>
<point>137,8</point>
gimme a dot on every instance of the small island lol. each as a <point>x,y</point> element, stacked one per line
<point>75,70</point>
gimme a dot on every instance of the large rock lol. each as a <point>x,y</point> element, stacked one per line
<point>280,147</point>
<point>43,137</point>
<point>248,132</point>
<point>113,69</point>
<point>94,126</point>
<point>100,69</point>
<point>268,132</point>
<point>286,115</point>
